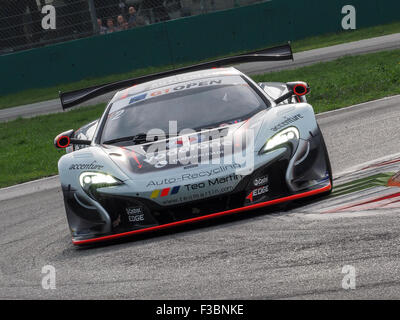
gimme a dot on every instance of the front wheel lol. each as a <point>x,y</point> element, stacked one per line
<point>328,162</point>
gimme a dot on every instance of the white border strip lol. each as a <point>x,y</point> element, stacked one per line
<point>363,104</point>
<point>358,167</point>
<point>30,187</point>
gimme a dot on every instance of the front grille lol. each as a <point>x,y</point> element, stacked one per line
<point>200,208</point>
<point>157,215</point>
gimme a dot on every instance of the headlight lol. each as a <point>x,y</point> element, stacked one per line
<point>90,181</point>
<point>290,134</point>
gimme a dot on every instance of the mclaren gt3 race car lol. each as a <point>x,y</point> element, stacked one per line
<point>188,145</point>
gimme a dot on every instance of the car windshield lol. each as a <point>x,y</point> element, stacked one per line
<point>195,105</point>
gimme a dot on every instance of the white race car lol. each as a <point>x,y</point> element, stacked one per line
<point>188,145</point>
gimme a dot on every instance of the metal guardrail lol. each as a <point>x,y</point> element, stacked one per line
<point>21,22</point>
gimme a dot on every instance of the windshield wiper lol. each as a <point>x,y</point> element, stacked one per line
<point>136,139</point>
<point>130,138</point>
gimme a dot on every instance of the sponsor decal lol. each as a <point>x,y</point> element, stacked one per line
<point>133,95</point>
<point>211,182</point>
<point>164,192</point>
<point>261,181</point>
<point>163,83</point>
<point>160,193</point>
<point>135,214</point>
<point>86,166</point>
<point>195,175</point>
<point>287,121</point>
<point>181,78</point>
<point>260,191</point>
<point>181,87</point>
<point>203,193</point>
<point>138,98</point>
<point>230,178</point>
<point>257,192</point>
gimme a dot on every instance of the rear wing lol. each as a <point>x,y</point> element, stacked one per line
<point>72,98</point>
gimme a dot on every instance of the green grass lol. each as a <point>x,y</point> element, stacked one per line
<point>332,39</point>
<point>346,81</point>
<point>27,144</point>
<point>37,95</point>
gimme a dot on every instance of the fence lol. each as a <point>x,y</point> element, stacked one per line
<point>21,21</point>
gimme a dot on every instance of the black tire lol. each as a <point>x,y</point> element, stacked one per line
<point>328,162</point>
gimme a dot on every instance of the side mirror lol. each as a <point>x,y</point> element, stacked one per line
<point>297,88</point>
<point>65,139</point>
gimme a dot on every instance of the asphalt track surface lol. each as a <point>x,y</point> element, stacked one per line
<point>263,254</point>
<point>388,42</point>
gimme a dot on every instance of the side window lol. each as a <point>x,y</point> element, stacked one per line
<point>85,133</point>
